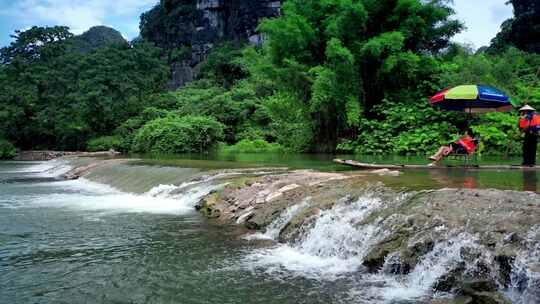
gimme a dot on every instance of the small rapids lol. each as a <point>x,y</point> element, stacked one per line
<point>311,243</point>
<point>419,283</point>
<point>273,230</point>
<point>85,194</point>
<point>51,168</point>
<point>331,248</point>
<point>525,283</point>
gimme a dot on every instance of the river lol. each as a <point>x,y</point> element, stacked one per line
<point>130,234</point>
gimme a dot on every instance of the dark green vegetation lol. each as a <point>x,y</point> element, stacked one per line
<point>57,96</point>
<point>522,31</point>
<point>7,150</point>
<point>337,75</point>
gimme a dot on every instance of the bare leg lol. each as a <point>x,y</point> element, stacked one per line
<point>443,152</point>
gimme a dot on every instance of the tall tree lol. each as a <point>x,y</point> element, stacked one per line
<point>37,43</point>
<point>54,96</point>
<point>343,57</point>
<point>522,31</point>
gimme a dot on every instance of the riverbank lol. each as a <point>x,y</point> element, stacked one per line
<point>468,245</point>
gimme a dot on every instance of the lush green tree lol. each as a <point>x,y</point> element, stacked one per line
<point>174,134</point>
<point>36,44</point>
<point>343,57</point>
<point>56,97</point>
<point>222,65</point>
<point>522,31</point>
<point>104,143</point>
<point>7,149</point>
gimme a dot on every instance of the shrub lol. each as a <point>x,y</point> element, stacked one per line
<point>104,143</point>
<point>127,130</point>
<point>253,146</point>
<point>499,134</point>
<point>174,134</point>
<point>7,149</point>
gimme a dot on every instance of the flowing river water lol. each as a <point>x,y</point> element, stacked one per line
<point>130,234</point>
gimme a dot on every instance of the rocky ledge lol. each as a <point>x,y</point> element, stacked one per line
<point>50,155</point>
<point>487,242</point>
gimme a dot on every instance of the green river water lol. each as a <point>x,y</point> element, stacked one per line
<point>118,237</point>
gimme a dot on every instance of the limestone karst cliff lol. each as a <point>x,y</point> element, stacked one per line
<point>189,29</point>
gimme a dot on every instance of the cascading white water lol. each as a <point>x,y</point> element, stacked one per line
<point>273,230</point>
<point>333,246</point>
<point>91,196</point>
<point>50,168</point>
<point>525,276</point>
<point>418,283</point>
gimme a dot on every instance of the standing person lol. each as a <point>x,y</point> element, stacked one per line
<point>529,123</point>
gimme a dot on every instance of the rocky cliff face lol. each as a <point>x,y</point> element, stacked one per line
<point>196,27</point>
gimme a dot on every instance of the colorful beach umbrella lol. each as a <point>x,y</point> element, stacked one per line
<point>472,99</point>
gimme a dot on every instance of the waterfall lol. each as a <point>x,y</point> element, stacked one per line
<point>52,168</point>
<point>273,230</point>
<point>525,276</point>
<point>91,196</point>
<point>95,195</point>
<point>333,246</point>
<point>444,257</point>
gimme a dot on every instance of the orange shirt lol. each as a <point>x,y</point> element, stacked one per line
<point>468,143</point>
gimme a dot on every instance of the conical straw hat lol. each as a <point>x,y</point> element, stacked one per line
<point>527,108</point>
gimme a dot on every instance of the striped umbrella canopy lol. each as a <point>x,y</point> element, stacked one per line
<point>472,99</point>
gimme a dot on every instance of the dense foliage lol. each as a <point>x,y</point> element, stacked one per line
<point>7,149</point>
<point>339,59</point>
<point>174,134</point>
<point>54,97</point>
<point>253,146</point>
<point>104,143</point>
<point>522,31</point>
<point>336,75</point>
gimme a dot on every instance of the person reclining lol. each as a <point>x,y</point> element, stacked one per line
<point>465,145</point>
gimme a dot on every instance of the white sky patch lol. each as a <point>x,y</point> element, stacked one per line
<point>483,19</point>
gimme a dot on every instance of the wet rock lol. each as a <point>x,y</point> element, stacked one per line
<point>268,194</point>
<point>208,206</point>
<point>375,259</point>
<point>385,172</point>
<point>411,256</point>
<point>512,238</point>
<point>473,286</point>
<point>50,155</point>
<point>81,171</point>
<point>409,225</point>
<point>488,298</point>
<point>504,261</point>
<point>450,280</point>
<point>456,300</point>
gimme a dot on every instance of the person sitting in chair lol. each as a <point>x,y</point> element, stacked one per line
<point>465,145</point>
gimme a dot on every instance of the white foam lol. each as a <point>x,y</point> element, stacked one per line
<point>525,282</point>
<point>49,168</point>
<point>334,246</point>
<point>273,230</point>
<point>438,262</point>
<point>86,195</point>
